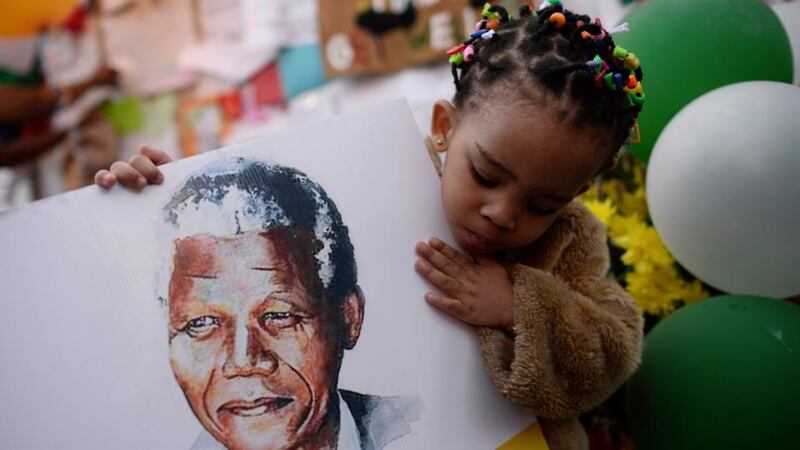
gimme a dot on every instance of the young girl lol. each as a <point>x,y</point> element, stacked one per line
<point>542,105</point>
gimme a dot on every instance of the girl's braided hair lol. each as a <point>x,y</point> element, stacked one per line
<point>569,55</point>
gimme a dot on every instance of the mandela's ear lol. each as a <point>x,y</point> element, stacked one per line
<point>353,313</point>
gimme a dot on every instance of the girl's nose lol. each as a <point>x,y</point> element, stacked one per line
<point>502,213</point>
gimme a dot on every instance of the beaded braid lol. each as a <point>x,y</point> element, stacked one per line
<point>568,54</point>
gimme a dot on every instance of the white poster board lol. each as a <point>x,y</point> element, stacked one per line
<point>84,343</point>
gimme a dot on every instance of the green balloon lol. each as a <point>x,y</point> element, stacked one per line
<point>689,47</point>
<point>719,374</point>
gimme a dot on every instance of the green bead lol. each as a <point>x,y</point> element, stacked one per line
<point>489,14</point>
<point>609,79</point>
<point>636,98</point>
<point>599,67</point>
<point>457,59</point>
<point>620,52</point>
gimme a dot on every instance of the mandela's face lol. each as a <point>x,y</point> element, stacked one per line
<point>254,345</point>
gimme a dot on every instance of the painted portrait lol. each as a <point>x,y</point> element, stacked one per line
<point>261,288</point>
<point>262,297</point>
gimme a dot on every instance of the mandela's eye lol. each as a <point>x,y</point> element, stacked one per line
<point>278,319</point>
<point>200,326</point>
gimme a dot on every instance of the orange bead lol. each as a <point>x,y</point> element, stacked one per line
<point>586,34</point>
<point>492,24</point>
<point>558,19</point>
<point>632,81</point>
<point>457,49</point>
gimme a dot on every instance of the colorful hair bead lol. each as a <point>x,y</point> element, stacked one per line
<point>558,19</point>
<point>493,23</point>
<point>469,53</point>
<point>479,25</point>
<point>636,89</point>
<point>632,81</point>
<point>637,99</point>
<point>488,35</point>
<point>549,3</point>
<point>599,36</point>
<point>456,59</point>
<point>631,61</point>
<point>618,81</point>
<point>620,52</point>
<point>478,33</point>
<point>489,14</point>
<point>633,135</point>
<point>609,79</point>
<point>636,94</point>
<point>457,49</point>
<point>600,66</point>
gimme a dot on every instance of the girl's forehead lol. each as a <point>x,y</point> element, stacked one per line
<point>536,140</point>
<point>529,124</point>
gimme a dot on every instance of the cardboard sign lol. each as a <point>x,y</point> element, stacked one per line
<point>381,36</point>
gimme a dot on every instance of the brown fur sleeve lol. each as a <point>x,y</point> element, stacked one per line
<point>578,334</point>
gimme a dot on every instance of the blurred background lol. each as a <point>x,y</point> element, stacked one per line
<point>84,83</point>
<point>701,214</point>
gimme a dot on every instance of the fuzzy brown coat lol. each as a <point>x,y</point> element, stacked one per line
<point>577,333</point>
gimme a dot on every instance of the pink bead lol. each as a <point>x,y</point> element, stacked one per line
<point>469,53</point>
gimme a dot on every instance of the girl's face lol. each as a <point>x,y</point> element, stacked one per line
<point>509,170</point>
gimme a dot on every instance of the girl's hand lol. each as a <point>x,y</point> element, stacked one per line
<point>477,292</point>
<point>137,172</point>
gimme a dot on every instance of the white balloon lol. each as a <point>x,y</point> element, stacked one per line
<point>723,186</point>
<point>789,14</point>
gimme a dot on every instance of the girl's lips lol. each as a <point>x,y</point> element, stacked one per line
<point>477,241</point>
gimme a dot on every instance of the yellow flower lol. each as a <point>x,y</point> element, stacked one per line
<point>694,292</point>
<point>612,189</point>
<point>621,225</point>
<point>644,249</point>
<point>634,203</point>
<point>655,291</point>
<point>639,172</point>
<point>593,193</point>
<point>605,210</point>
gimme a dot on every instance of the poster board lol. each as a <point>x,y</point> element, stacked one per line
<point>86,345</point>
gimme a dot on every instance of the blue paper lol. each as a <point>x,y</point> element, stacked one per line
<point>301,69</point>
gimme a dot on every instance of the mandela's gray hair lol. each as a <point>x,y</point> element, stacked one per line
<point>234,196</point>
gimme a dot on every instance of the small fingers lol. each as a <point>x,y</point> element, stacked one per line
<point>105,179</point>
<point>456,256</point>
<point>444,282</point>
<point>157,156</point>
<point>128,176</point>
<point>438,259</point>
<point>451,306</point>
<point>147,168</point>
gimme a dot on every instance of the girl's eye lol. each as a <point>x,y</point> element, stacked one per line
<point>279,320</point>
<point>534,209</point>
<point>482,180</point>
<point>200,326</point>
